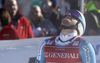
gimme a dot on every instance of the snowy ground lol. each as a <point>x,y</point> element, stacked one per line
<point>19,51</point>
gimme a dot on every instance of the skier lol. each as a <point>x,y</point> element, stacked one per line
<point>69,46</point>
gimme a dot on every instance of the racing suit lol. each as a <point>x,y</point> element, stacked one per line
<point>74,50</point>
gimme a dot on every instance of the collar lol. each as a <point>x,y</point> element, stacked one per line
<point>62,40</point>
<point>5,27</point>
<point>15,23</point>
<point>17,16</point>
<point>67,37</point>
<point>42,19</point>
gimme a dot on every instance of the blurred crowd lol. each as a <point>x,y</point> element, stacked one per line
<point>44,18</point>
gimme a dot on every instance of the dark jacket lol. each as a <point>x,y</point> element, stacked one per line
<point>55,18</point>
<point>92,19</point>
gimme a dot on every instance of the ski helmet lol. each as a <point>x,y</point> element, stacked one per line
<point>80,25</point>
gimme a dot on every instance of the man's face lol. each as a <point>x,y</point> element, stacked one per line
<point>35,14</point>
<point>11,6</point>
<point>68,21</point>
<point>47,7</point>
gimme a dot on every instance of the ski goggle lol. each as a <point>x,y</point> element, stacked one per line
<point>45,6</point>
<point>74,14</point>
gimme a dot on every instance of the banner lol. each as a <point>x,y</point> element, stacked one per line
<point>25,51</point>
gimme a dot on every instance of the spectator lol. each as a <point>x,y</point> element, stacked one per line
<point>20,23</point>
<point>69,46</point>
<point>7,31</point>
<point>54,5</point>
<point>51,14</point>
<point>36,2</point>
<point>93,18</point>
<point>40,25</point>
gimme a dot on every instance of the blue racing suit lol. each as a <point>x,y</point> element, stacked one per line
<point>77,50</point>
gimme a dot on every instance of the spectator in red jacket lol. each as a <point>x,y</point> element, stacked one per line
<point>7,32</point>
<point>20,23</point>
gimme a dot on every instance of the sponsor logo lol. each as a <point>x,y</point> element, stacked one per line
<point>75,43</point>
<point>61,55</point>
<point>22,27</point>
<point>39,57</point>
<point>6,34</point>
<point>87,53</point>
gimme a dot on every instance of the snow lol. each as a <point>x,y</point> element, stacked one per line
<point>19,51</point>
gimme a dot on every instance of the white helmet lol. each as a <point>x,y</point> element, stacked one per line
<point>80,25</point>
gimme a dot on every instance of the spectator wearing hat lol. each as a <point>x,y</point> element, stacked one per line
<point>36,2</point>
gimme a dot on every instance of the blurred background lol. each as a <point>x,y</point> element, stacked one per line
<point>64,5</point>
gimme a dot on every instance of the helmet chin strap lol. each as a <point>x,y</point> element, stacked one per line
<point>71,27</point>
<point>68,37</point>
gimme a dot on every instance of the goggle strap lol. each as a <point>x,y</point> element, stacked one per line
<point>71,27</point>
<point>77,27</point>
